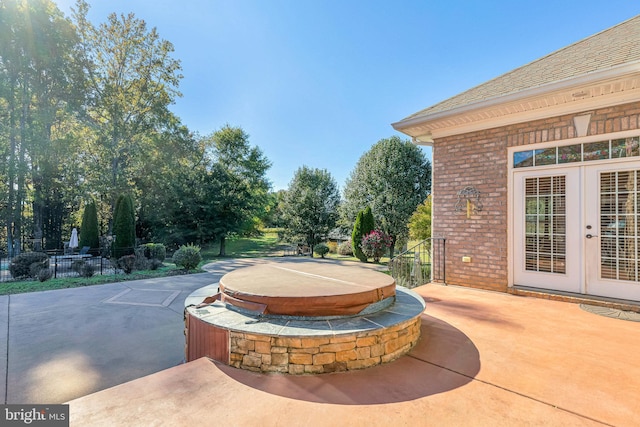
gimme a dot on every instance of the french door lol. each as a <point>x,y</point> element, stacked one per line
<point>577,229</point>
<point>547,242</point>
<point>612,252</point>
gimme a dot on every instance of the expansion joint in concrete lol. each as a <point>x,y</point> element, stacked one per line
<point>511,391</point>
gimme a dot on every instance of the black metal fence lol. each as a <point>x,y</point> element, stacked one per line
<point>60,264</point>
<point>423,263</point>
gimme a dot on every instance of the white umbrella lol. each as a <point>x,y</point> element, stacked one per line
<point>73,242</point>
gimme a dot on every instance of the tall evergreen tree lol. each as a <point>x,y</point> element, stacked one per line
<point>368,222</point>
<point>89,233</point>
<point>356,237</point>
<point>124,225</point>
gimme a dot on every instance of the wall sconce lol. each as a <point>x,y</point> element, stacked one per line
<point>469,200</point>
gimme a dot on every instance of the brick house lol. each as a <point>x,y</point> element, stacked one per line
<point>536,173</point>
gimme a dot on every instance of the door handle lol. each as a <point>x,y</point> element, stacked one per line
<point>588,236</point>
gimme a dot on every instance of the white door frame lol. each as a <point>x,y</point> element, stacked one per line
<point>572,279</point>
<point>583,193</point>
<point>595,284</point>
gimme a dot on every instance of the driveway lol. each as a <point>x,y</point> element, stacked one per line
<point>63,344</point>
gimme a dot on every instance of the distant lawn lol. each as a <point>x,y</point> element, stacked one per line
<point>266,245</point>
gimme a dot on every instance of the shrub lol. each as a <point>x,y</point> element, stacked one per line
<point>20,265</point>
<point>187,257</point>
<point>141,263</point>
<point>78,265</point>
<point>83,268</point>
<point>34,269</point>
<point>155,264</point>
<point>127,263</point>
<point>375,244</point>
<point>155,251</point>
<point>44,274</point>
<point>333,247</point>
<point>345,248</point>
<point>321,249</point>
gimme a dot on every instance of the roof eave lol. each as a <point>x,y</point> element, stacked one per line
<point>406,125</point>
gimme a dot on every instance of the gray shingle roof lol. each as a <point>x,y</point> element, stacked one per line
<point>615,46</point>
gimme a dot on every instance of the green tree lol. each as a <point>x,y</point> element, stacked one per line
<point>365,224</point>
<point>420,221</point>
<point>393,177</point>
<point>356,237</point>
<point>132,79</point>
<point>175,188</point>
<point>39,86</point>
<point>89,232</point>
<point>273,211</point>
<point>238,174</point>
<point>124,225</point>
<point>310,206</point>
<point>368,221</point>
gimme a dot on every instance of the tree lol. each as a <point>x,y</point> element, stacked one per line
<point>364,225</point>
<point>393,177</point>
<point>273,210</point>
<point>239,174</point>
<point>124,225</point>
<point>310,206</point>
<point>420,221</point>
<point>39,83</point>
<point>356,237</point>
<point>132,79</point>
<point>368,221</point>
<point>89,233</point>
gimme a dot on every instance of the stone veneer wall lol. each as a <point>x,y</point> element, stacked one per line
<point>480,159</point>
<point>322,354</point>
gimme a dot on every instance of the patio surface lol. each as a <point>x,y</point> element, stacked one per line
<point>484,359</point>
<point>115,353</point>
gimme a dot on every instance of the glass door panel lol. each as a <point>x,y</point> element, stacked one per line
<point>613,211</point>
<point>546,227</point>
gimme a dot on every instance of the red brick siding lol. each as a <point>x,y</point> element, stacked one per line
<point>480,159</point>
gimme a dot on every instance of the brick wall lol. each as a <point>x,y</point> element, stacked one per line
<point>479,159</point>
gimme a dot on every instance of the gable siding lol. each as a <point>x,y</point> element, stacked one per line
<point>480,159</point>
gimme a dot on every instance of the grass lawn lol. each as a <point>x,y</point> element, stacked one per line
<point>247,247</point>
<point>23,286</point>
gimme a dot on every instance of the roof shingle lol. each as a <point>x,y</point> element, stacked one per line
<point>612,47</point>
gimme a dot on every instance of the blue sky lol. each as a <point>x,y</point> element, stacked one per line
<point>318,82</point>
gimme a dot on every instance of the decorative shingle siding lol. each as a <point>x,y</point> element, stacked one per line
<point>480,159</point>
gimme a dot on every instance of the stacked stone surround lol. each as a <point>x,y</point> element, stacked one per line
<point>322,354</point>
<point>481,159</point>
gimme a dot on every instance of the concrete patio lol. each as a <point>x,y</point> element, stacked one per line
<point>485,359</point>
<point>114,352</point>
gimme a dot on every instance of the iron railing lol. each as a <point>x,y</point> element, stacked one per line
<point>423,263</point>
<point>60,263</point>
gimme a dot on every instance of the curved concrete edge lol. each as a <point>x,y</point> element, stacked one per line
<point>408,305</point>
